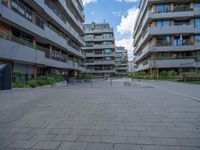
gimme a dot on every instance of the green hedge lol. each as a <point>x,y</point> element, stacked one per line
<point>164,75</point>
<point>39,82</point>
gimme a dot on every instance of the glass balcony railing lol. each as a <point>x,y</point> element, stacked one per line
<point>182,8</point>
<point>186,42</point>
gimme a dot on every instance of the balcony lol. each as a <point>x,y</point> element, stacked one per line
<point>103,71</point>
<point>172,63</point>
<point>175,29</point>
<point>78,9</point>
<point>38,27</point>
<point>65,25</point>
<point>112,46</point>
<point>17,49</point>
<point>99,55</point>
<point>179,13</point>
<point>103,62</point>
<point>92,31</point>
<point>13,15</point>
<point>68,12</point>
<point>99,39</point>
<point>143,66</point>
<point>162,46</point>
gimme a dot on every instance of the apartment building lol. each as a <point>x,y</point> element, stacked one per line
<point>167,36</point>
<point>121,61</point>
<point>42,36</point>
<point>100,49</point>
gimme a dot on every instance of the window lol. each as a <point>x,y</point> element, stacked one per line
<point>107,36</point>
<point>197,4</point>
<point>163,8</point>
<point>89,36</point>
<point>180,41</point>
<point>107,58</point>
<point>89,44</point>
<point>197,22</point>
<point>164,41</point>
<point>197,38</point>
<point>107,51</point>
<point>163,23</point>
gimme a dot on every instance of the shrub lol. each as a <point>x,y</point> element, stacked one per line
<point>32,83</point>
<point>39,82</point>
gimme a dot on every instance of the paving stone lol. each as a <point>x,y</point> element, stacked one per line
<point>46,145</point>
<point>99,146</point>
<point>72,146</point>
<point>85,138</point>
<point>100,117</point>
<point>127,147</point>
<point>22,144</point>
<point>66,138</point>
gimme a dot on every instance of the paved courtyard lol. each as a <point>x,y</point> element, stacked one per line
<point>81,117</point>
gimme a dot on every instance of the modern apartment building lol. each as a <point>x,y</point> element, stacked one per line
<point>100,49</point>
<point>121,61</point>
<point>167,36</point>
<point>42,36</point>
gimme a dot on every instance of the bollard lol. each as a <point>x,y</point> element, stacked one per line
<point>110,81</point>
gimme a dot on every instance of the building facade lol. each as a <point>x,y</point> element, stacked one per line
<point>42,36</point>
<point>100,49</point>
<point>167,36</point>
<point>121,61</point>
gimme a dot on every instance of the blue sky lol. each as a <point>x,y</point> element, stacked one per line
<point>120,14</point>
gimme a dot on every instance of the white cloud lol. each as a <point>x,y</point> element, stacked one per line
<point>127,22</point>
<point>125,28</point>
<point>117,13</point>
<point>85,2</point>
<point>128,44</point>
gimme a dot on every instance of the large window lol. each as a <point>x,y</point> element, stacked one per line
<point>180,41</point>
<point>89,44</point>
<point>163,23</point>
<point>21,9</point>
<point>107,51</point>
<point>160,8</point>
<point>197,23</point>
<point>197,38</point>
<point>164,41</point>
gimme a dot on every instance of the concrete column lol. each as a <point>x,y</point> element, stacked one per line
<point>153,8</point>
<point>5,29</point>
<point>48,51</point>
<point>35,71</point>
<point>34,42</point>
<point>172,40</point>
<point>192,39</point>
<point>172,7</point>
<point>8,3</point>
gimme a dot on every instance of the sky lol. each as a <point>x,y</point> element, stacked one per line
<point>120,14</point>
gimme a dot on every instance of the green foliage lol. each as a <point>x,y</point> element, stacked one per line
<point>39,82</point>
<point>164,75</point>
<point>140,75</point>
<point>85,76</point>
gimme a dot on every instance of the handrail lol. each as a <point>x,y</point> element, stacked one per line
<point>21,41</point>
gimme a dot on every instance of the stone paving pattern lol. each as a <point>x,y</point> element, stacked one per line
<point>81,117</point>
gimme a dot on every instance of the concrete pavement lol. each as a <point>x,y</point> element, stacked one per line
<point>81,117</point>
